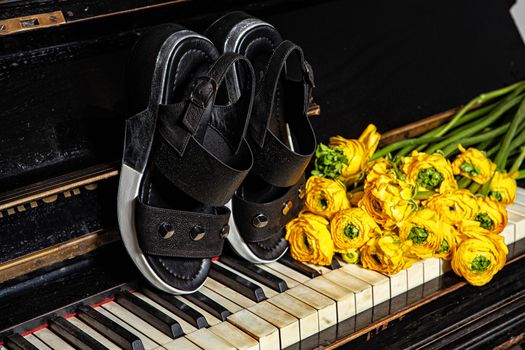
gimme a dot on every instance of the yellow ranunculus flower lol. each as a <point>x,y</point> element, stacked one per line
<point>388,201</point>
<point>357,152</point>
<point>448,243</point>
<point>379,168</point>
<point>454,206</point>
<point>370,139</point>
<point>503,187</point>
<point>351,256</point>
<point>325,197</point>
<point>430,172</point>
<point>351,228</point>
<point>492,215</point>
<point>479,259</point>
<point>310,239</point>
<point>425,230</point>
<point>474,164</point>
<point>386,254</point>
<point>470,228</point>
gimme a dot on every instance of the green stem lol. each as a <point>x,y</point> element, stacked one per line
<point>388,149</point>
<point>521,175</point>
<point>501,157</point>
<point>424,195</point>
<point>518,161</point>
<point>478,101</point>
<point>466,118</point>
<point>477,139</point>
<point>488,120</point>
<point>474,187</point>
<point>357,189</point>
<point>464,182</point>
<point>486,186</point>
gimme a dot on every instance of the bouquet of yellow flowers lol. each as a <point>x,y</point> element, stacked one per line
<point>440,195</point>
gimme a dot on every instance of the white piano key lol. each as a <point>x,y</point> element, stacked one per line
<point>266,334</point>
<point>234,336</point>
<point>518,220</point>
<point>52,340</point>
<point>228,293</point>
<point>321,269</point>
<point>361,289</point>
<point>186,327</point>
<point>398,283</point>
<point>508,233</point>
<point>520,195</point>
<point>288,325</point>
<point>290,282</point>
<point>267,291</point>
<point>147,342</point>
<point>430,269</point>
<point>307,316</point>
<point>227,303</point>
<point>182,343</point>
<point>208,340</point>
<point>137,323</point>
<point>415,275</point>
<point>93,333</point>
<point>36,342</point>
<point>326,307</point>
<point>290,273</point>
<point>344,298</point>
<point>380,283</point>
<point>212,320</point>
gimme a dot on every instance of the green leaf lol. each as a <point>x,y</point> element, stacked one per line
<point>329,161</point>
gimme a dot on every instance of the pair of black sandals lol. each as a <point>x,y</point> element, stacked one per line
<point>216,149</point>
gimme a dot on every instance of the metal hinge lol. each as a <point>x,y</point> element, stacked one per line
<point>41,20</point>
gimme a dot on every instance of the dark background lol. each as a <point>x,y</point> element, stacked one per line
<point>392,62</point>
<point>62,89</point>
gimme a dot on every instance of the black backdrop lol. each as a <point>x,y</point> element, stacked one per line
<point>392,62</point>
<point>62,105</point>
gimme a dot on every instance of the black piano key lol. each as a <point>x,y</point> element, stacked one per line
<point>17,342</point>
<point>258,274</point>
<point>73,335</point>
<point>176,306</point>
<point>299,266</point>
<point>334,265</point>
<point>150,314</point>
<point>208,305</point>
<point>110,329</point>
<point>237,283</point>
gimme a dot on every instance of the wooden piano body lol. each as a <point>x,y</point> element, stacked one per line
<point>63,269</point>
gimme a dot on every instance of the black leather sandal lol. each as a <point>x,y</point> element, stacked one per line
<point>184,156</point>
<point>280,134</point>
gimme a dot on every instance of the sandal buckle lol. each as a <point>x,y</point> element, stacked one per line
<point>309,74</point>
<point>202,92</point>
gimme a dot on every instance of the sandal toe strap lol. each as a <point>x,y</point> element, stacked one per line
<point>260,221</point>
<point>182,234</point>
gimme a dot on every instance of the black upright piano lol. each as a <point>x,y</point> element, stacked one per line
<point>65,278</point>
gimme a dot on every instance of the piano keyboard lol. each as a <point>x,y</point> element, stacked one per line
<point>242,306</point>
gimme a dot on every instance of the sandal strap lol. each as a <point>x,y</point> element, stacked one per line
<point>182,234</point>
<point>260,221</point>
<point>180,155</point>
<point>275,161</point>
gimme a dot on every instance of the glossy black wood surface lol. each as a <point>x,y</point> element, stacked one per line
<point>62,101</point>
